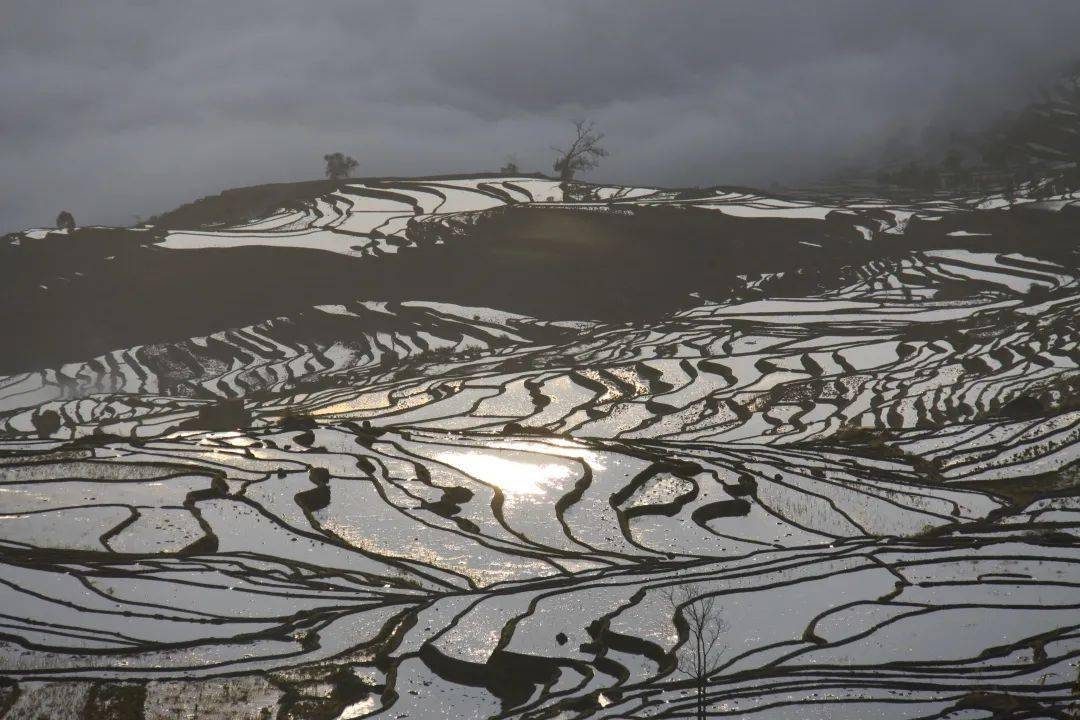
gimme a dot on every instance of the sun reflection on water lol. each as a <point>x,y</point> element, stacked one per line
<point>515,473</point>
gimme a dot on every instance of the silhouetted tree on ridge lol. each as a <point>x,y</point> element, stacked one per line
<point>511,166</point>
<point>584,152</point>
<point>339,166</point>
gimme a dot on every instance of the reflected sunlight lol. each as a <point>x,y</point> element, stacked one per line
<point>517,475</point>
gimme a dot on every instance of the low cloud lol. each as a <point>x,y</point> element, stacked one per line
<point>115,109</point>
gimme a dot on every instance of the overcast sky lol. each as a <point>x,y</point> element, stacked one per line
<point>116,109</point>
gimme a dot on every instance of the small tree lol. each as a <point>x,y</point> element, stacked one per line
<point>511,166</point>
<point>953,165</point>
<point>339,166</point>
<point>699,656</point>
<point>65,221</point>
<point>583,154</point>
<point>953,162</point>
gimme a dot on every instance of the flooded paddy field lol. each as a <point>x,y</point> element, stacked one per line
<point>486,447</point>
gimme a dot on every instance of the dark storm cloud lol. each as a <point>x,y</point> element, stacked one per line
<point>112,109</point>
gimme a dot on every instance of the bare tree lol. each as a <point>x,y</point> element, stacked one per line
<point>583,154</point>
<point>699,657</point>
<point>339,166</point>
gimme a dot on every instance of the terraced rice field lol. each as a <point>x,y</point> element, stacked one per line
<point>480,447</point>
